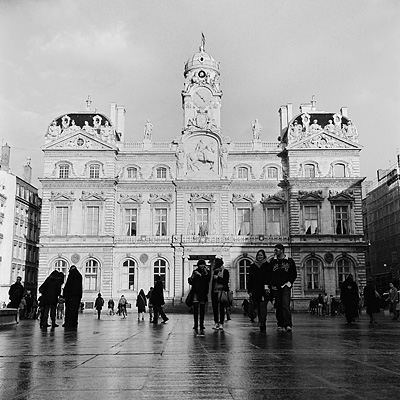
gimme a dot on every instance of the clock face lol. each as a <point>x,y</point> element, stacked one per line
<point>202,98</point>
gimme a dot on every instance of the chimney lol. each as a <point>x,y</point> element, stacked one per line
<point>289,107</point>
<point>5,157</point>
<point>121,121</point>
<point>283,116</point>
<point>343,111</point>
<point>113,114</point>
<point>27,175</point>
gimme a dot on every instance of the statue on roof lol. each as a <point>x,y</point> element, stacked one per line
<point>54,130</point>
<point>148,130</point>
<point>203,42</point>
<point>256,128</point>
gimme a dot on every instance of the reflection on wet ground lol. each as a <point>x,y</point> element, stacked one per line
<point>113,358</point>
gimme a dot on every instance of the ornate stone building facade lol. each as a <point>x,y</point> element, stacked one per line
<point>124,212</point>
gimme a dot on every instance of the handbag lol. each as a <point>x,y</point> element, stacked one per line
<point>223,299</point>
<point>189,299</point>
<point>230,297</point>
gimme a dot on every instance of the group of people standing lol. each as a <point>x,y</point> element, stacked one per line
<point>272,281</point>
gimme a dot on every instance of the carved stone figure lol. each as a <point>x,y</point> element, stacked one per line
<point>106,132</point>
<point>65,120</point>
<point>54,130</point>
<point>224,158</point>
<point>256,128</point>
<point>315,127</point>
<point>87,128</point>
<point>305,119</point>
<point>202,155</point>
<point>180,158</point>
<point>295,132</point>
<point>351,132</point>
<point>148,130</point>
<point>330,127</point>
<point>97,122</point>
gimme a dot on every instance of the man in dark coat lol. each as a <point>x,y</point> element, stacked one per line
<point>157,299</point>
<point>281,275</point>
<point>16,293</point>
<point>350,298</point>
<point>50,290</point>
<point>72,295</point>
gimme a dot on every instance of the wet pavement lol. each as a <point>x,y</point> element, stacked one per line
<point>114,358</point>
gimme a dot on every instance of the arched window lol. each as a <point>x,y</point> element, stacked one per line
<point>91,271</point>
<point>94,171</point>
<point>309,171</point>
<point>132,173</point>
<point>160,268</point>
<point>272,173</point>
<point>339,171</point>
<point>312,274</point>
<point>243,173</point>
<point>343,269</point>
<point>63,171</point>
<point>244,268</point>
<point>130,267</point>
<point>161,173</point>
<point>61,266</point>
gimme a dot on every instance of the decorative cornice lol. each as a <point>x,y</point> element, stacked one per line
<point>243,197</point>
<point>157,197</point>
<point>201,197</point>
<point>87,196</point>
<point>62,196</point>
<point>130,198</point>
<point>315,195</point>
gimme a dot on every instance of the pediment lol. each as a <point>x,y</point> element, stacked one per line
<point>92,196</point>
<point>323,140</point>
<point>273,199</point>
<point>341,196</point>
<point>243,198</point>
<point>160,198</point>
<point>130,199</point>
<point>79,140</point>
<point>62,196</point>
<point>313,196</point>
<point>201,197</point>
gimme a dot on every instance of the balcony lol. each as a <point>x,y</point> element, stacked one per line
<point>143,239</point>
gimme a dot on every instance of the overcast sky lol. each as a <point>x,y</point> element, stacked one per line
<point>272,52</point>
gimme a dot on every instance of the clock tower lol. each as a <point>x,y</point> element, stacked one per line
<point>201,97</point>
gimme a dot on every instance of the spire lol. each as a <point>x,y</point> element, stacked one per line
<point>203,42</point>
<point>88,103</point>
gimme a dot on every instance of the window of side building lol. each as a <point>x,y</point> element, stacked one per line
<point>160,268</point>
<point>94,171</point>
<point>63,171</point>
<point>61,266</point>
<point>243,221</point>
<point>244,268</point>
<point>130,221</point>
<point>160,221</point>
<point>91,275</point>
<point>312,269</point>
<point>344,268</point>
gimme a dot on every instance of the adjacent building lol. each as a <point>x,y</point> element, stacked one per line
<point>381,209</point>
<point>20,215</point>
<point>123,212</point>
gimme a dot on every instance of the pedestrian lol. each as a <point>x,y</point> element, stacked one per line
<point>22,308</point>
<point>34,310</point>
<point>199,280</point>
<point>16,293</point>
<point>72,294</point>
<point>219,288</point>
<point>372,301</point>
<point>29,303</point>
<point>281,275</point>
<point>394,301</point>
<point>349,297</point>
<point>50,290</point>
<point>111,306</point>
<point>157,299</point>
<point>122,306</point>
<point>148,295</point>
<point>141,303</point>
<point>257,287</point>
<point>60,307</point>
<point>245,307</point>
<point>98,305</point>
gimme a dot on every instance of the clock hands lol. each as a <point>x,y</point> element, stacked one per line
<point>201,97</point>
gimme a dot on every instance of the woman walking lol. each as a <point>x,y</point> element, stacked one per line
<point>199,280</point>
<point>98,305</point>
<point>141,304</point>
<point>220,284</point>
<point>372,300</point>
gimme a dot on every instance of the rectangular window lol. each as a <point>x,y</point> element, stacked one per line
<point>243,221</point>
<point>61,225</point>
<point>64,171</point>
<point>273,221</point>
<point>160,218</point>
<point>131,221</point>
<point>202,221</point>
<point>94,171</point>
<point>92,216</point>
<point>341,220</point>
<point>244,268</point>
<point>312,271</point>
<point>310,220</point>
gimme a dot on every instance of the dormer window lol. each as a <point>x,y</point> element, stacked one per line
<point>309,171</point>
<point>272,173</point>
<point>132,173</point>
<point>243,173</point>
<point>161,173</point>
<point>63,171</point>
<point>339,171</point>
<point>94,171</point>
